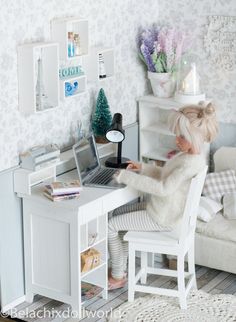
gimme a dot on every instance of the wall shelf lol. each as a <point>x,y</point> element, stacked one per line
<point>59,33</point>
<point>38,88</point>
<point>78,82</point>
<point>91,63</point>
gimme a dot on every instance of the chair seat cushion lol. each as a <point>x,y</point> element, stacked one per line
<point>153,238</point>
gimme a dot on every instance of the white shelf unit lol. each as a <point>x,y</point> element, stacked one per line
<point>24,179</point>
<point>82,86</point>
<point>91,63</point>
<point>59,33</point>
<point>156,140</point>
<point>38,65</point>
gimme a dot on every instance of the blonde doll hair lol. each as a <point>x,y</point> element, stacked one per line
<point>197,123</point>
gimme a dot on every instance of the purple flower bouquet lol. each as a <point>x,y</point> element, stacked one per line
<point>161,48</point>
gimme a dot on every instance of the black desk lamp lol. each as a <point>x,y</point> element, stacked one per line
<point>116,134</point>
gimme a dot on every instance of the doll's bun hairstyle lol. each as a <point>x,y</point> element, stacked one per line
<point>197,123</point>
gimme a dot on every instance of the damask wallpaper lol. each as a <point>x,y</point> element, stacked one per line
<point>112,24</point>
<point>218,83</point>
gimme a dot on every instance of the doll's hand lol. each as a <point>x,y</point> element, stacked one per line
<point>116,174</point>
<point>134,166</point>
<point>183,144</point>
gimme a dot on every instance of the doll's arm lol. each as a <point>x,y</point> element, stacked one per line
<point>152,186</point>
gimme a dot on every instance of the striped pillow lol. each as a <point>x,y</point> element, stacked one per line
<point>217,184</point>
<point>208,208</point>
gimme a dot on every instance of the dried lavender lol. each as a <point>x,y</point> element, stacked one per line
<point>147,58</point>
<point>161,48</point>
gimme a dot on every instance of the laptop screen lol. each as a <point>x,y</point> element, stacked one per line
<point>86,157</point>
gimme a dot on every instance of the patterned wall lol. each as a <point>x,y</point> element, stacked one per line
<point>113,24</point>
<point>193,15</point>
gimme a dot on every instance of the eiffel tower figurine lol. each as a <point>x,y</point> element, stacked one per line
<point>41,98</point>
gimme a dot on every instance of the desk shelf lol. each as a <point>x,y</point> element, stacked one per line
<point>98,276</point>
<point>25,179</point>
<point>92,227</point>
<point>83,275</point>
<point>94,245</point>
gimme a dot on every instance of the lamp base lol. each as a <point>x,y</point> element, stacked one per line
<point>112,163</point>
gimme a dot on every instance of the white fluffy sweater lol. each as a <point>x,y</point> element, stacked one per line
<point>167,187</point>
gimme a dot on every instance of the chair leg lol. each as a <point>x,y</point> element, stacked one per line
<point>151,259</point>
<point>144,260</point>
<point>131,280</point>
<point>191,265</point>
<point>181,282</point>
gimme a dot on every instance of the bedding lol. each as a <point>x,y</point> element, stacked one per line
<point>208,209</point>
<point>229,202</point>
<point>217,184</point>
<point>219,228</point>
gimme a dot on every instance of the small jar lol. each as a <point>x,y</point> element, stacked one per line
<point>77,45</point>
<point>102,69</point>
<point>71,46</point>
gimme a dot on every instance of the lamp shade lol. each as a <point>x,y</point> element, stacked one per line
<point>116,133</point>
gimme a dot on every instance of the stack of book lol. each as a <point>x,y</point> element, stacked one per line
<point>88,291</point>
<point>57,190</point>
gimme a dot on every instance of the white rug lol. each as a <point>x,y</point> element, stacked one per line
<point>202,307</point>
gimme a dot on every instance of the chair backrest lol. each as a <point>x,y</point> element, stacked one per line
<point>189,218</point>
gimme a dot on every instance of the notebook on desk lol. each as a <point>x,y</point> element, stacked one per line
<point>89,168</point>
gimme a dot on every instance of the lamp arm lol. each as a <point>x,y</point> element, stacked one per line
<point>119,151</point>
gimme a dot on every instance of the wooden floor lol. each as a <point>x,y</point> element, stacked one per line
<point>209,280</point>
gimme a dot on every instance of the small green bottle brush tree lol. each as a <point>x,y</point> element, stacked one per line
<point>102,118</point>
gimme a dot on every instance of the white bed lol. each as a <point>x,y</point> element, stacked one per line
<point>215,242</point>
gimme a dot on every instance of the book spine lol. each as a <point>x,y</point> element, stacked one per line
<point>64,197</point>
<point>65,191</point>
<point>69,197</point>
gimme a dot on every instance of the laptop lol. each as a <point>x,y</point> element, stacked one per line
<point>90,171</point>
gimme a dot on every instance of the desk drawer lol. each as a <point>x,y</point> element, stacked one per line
<point>90,211</point>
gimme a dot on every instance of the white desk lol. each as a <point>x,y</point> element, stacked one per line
<point>55,234</point>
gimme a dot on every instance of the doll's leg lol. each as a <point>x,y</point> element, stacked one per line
<point>132,221</point>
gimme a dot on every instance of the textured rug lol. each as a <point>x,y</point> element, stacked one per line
<point>202,307</point>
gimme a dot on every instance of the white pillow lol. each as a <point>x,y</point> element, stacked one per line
<point>208,208</point>
<point>229,203</point>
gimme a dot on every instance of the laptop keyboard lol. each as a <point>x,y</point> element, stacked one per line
<point>103,177</point>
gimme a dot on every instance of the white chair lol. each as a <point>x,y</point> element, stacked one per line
<point>171,244</point>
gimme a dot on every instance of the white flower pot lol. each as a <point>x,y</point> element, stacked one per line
<point>163,84</point>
